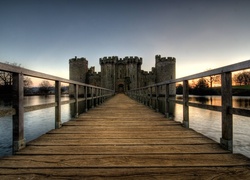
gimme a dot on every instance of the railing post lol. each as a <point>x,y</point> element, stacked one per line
<point>167,100</point>
<point>86,98</point>
<point>101,96</point>
<point>76,99</point>
<point>98,97</point>
<point>226,140</point>
<point>151,98</point>
<point>58,122</point>
<point>185,104</point>
<point>157,98</point>
<point>92,97</point>
<point>18,118</point>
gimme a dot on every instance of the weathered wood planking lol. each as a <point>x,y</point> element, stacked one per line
<point>123,139</point>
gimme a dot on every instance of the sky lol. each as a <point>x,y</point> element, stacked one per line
<point>43,35</point>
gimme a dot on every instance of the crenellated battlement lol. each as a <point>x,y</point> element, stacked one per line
<point>125,60</point>
<point>159,59</point>
<point>75,59</point>
<point>133,59</point>
<point>108,60</point>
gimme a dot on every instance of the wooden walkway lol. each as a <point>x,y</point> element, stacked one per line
<point>122,139</point>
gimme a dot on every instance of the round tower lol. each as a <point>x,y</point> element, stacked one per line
<point>133,71</point>
<point>165,70</point>
<point>108,71</point>
<point>78,68</point>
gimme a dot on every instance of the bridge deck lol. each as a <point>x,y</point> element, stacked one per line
<point>123,139</point>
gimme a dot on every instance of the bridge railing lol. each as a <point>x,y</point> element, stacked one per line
<point>147,96</point>
<point>92,95</point>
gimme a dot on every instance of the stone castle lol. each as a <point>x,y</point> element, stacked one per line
<point>122,74</point>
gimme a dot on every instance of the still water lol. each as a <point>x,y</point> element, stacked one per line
<point>206,122</point>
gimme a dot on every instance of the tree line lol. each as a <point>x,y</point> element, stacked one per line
<point>6,82</point>
<point>206,85</point>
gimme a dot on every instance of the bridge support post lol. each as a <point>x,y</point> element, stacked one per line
<point>157,98</point>
<point>185,104</point>
<point>166,101</point>
<point>226,140</point>
<point>86,98</point>
<point>98,97</point>
<point>76,99</point>
<point>18,118</point>
<point>151,98</point>
<point>92,97</point>
<point>58,122</point>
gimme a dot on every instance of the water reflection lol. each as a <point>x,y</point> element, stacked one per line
<point>237,101</point>
<point>209,122</point>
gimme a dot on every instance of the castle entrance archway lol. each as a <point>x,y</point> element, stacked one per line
<point>121,88</point>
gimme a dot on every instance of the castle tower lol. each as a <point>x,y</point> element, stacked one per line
<point>78,68</point>
<point>108,72</point>
<point>133,71</point>
<point>165,70</point>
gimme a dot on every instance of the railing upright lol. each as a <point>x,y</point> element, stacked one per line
<point>151,97</point>
<point>185,104</point>
<point>18,117</point>
<point>76,87</point>
<point>167,100</point>
<point>86,98</point>
<point>227,117</point>
<point>157,99</point>
<point>58,122</point>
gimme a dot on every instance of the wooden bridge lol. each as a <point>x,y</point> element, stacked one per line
<point>123,139</point>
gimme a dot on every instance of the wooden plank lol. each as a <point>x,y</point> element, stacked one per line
<point>127,173</point>
<point>109,123</point>
<point>149,135</point>
<point>125,161</point>
<point>122,149</point>
<point>104,141</point>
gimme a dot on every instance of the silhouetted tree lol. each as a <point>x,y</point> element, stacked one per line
<point>27,83</point>
<point>242,78</point>
<point>44,87</point>
<point>201,87</point>
<point>213,79</point>
<point>179,89</point>
<point>6,77</point>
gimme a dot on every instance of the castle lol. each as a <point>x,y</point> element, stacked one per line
<point>122,74</point>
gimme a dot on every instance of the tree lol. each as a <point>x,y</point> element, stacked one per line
<point>179,89</point>
<point>44,87</point>
<point>6,80</point>
<point>213,79</point>
<point>202,84</point>
<point>242,78</point>
<point>27,83</point>
<point>6,77</point>
<point>201,87</point>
